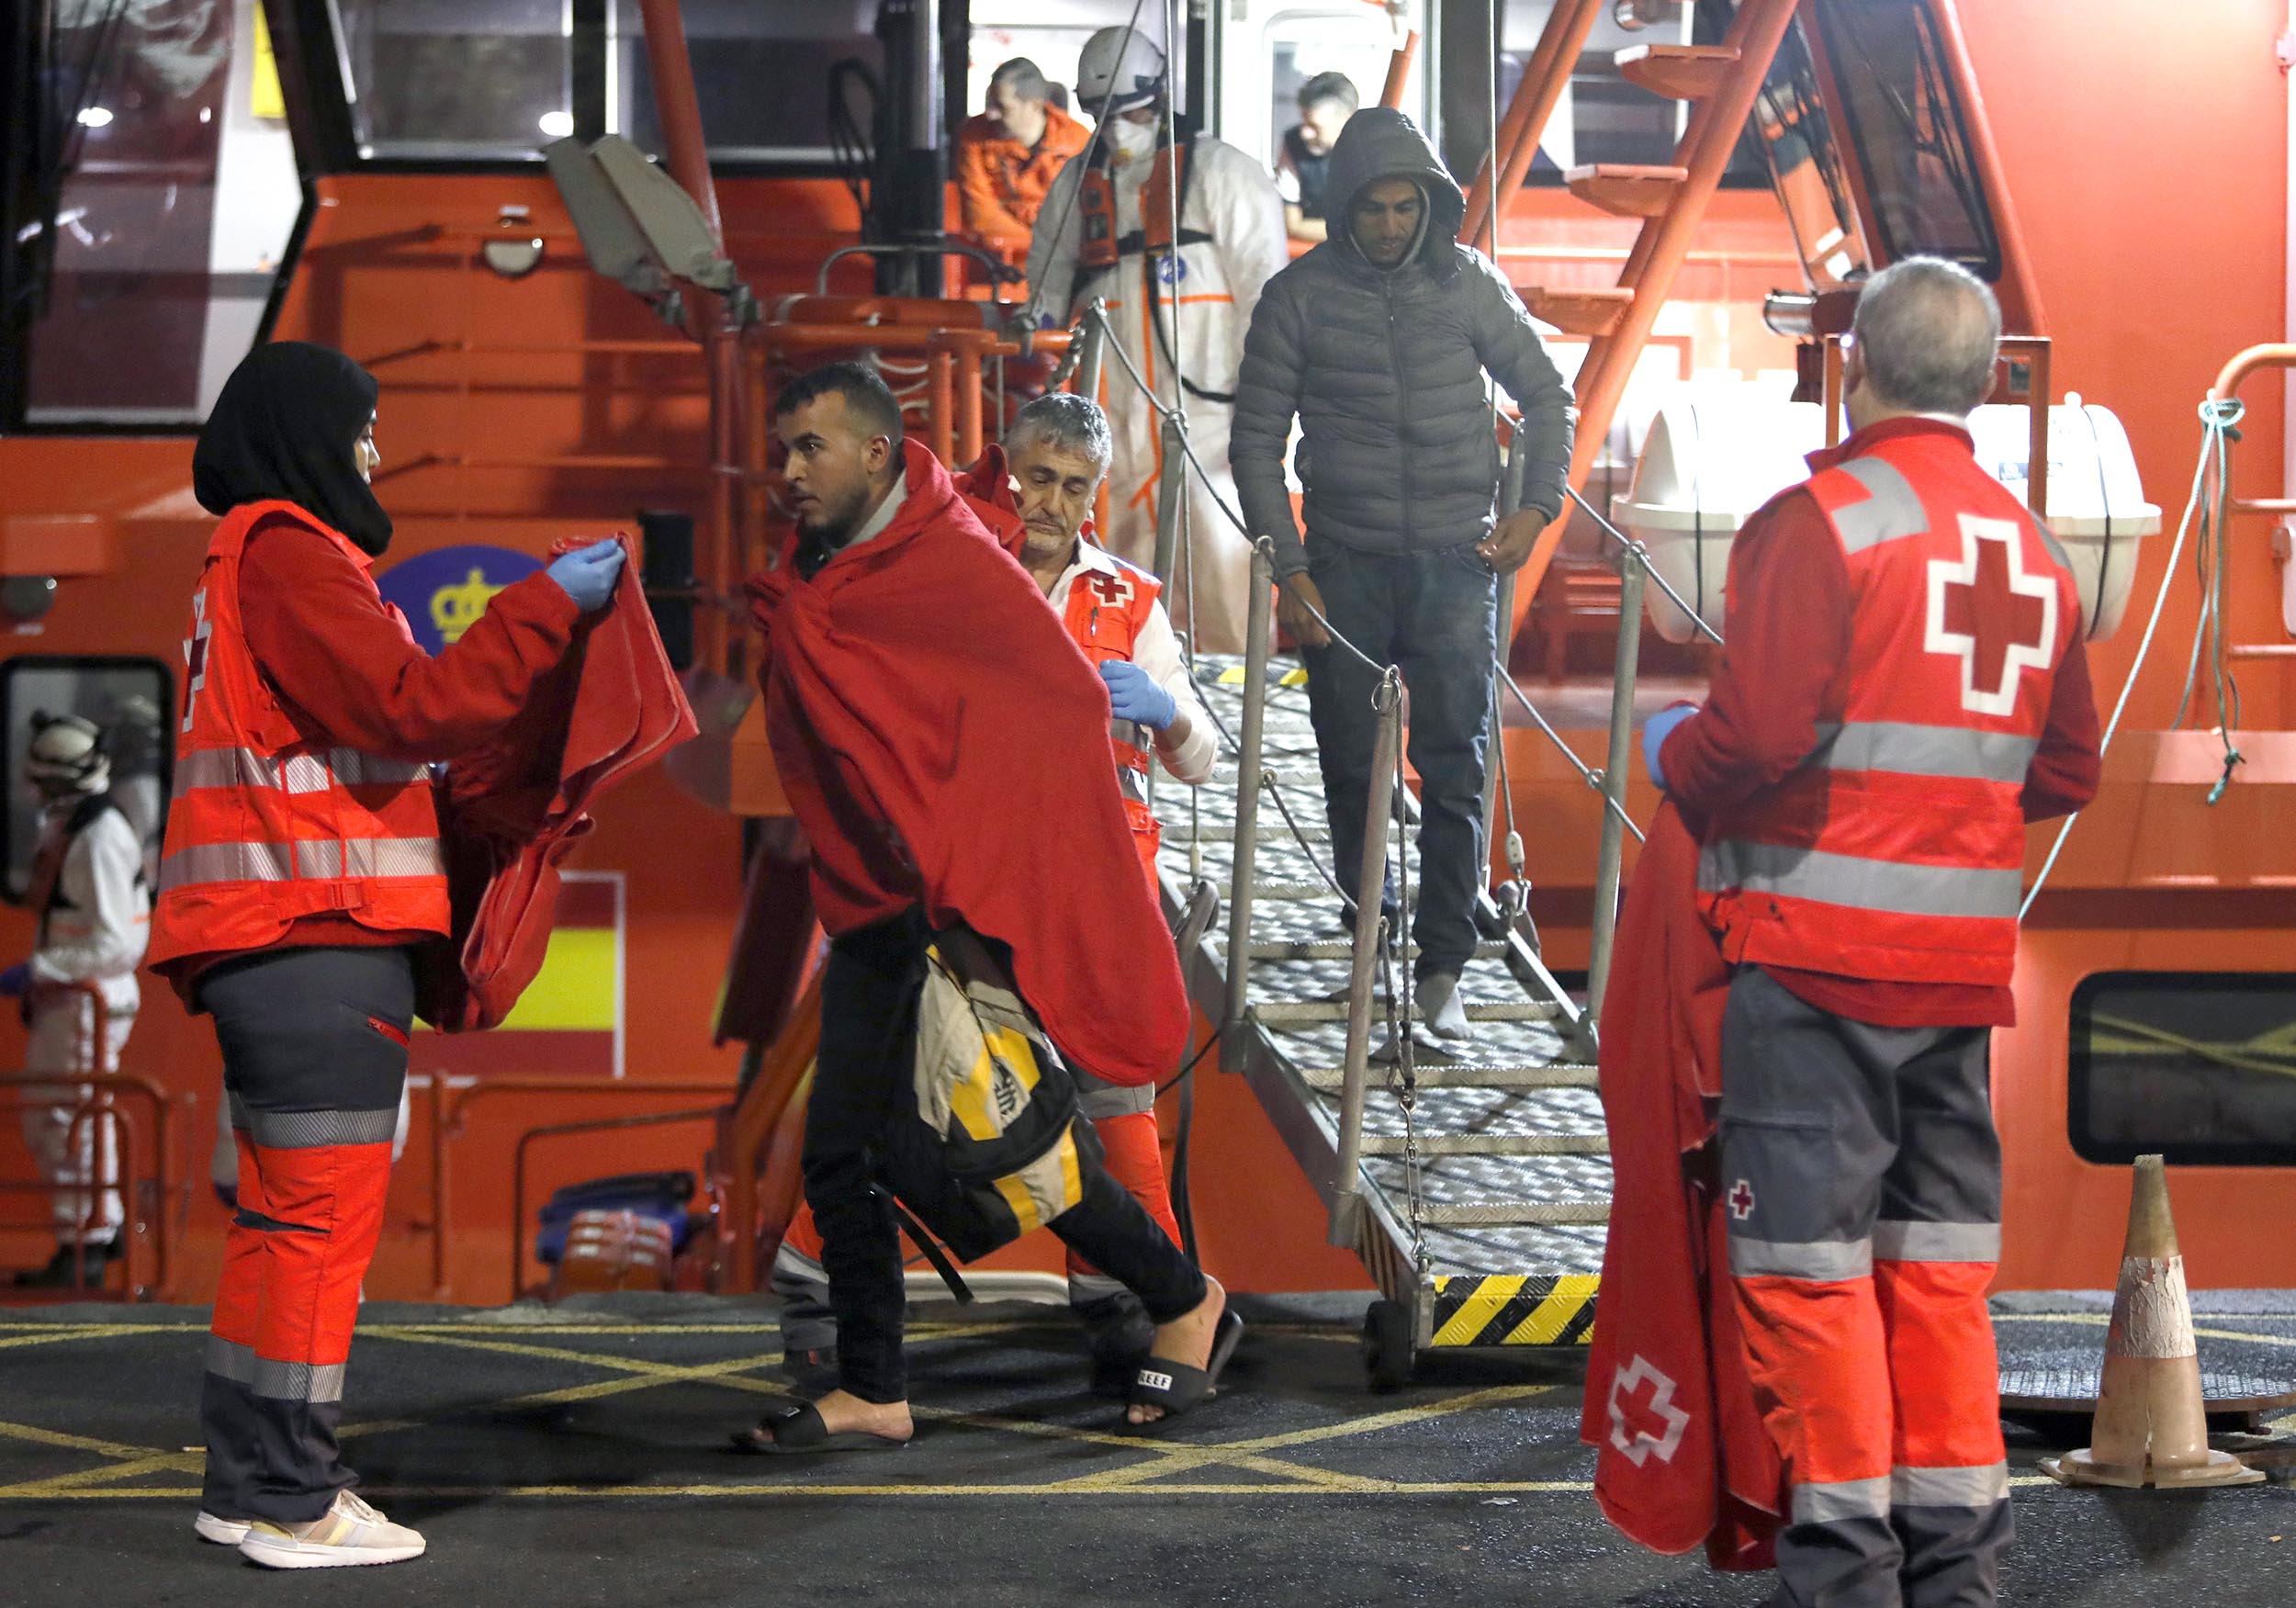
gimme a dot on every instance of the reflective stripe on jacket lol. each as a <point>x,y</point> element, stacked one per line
<point>1896,850</point>
<point>269,823</point>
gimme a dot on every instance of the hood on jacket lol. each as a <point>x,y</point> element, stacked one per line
<point>1381,143</point>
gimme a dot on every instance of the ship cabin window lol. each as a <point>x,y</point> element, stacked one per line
<point>456,79</point>
<point>1909,135</point>
<point>132,700</point>
<point>2197,1066</point>
<point>777,84</point>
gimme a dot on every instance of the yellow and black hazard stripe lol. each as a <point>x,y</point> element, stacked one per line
<point>1514,1309</point>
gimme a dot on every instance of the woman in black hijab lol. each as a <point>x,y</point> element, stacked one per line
<point>302,869</point>
<point>296,425</point>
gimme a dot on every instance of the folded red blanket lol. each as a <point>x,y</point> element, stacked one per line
<point>514,810</point>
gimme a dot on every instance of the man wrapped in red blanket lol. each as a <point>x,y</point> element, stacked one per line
<point>944,744</point>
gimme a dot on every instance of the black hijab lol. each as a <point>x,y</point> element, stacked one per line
<point>286,428</point>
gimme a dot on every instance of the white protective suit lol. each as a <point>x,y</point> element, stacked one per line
<point>94,929</point>
<point>1232,198</point>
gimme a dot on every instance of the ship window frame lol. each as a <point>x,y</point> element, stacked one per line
<point>2080,1074</point>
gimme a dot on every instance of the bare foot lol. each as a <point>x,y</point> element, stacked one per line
<point>842,1412</point>
<point>1187,1339</point>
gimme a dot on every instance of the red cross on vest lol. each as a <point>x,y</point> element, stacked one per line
<point>1986,608</point>
<point>1110,588</point>
<point>1742,1200</point>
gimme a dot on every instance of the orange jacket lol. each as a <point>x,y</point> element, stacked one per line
<point>1001,183</point>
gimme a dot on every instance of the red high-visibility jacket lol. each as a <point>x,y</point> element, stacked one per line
<point>1896,851</point>
<point>268,822</point>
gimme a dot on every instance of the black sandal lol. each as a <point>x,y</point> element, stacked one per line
<point>800,1432</point>
<point>1176,1387</point>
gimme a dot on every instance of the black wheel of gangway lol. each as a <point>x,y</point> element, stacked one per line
<point>1387,1345</point>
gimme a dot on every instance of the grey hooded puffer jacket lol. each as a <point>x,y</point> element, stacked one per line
<point>1385,370</point>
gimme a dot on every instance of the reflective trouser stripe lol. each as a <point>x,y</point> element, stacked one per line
<point>1820,1260</point>
<point>1834,1501</point>
<point>1976,1487</point>
<point>1895,887</point>
<point>309,857</point>
<point>1896,1239</point>
<point>1905,749</point>
<point>279,1381</point>
<point>295,773</point>
<point>310,1130</point>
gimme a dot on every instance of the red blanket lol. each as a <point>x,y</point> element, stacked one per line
<point>1683,1455</point>
<point>515,808</point>
<point>944,743</point>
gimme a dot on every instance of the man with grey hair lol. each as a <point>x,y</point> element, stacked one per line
<point>1060,447</point>
<point>1903,688</point>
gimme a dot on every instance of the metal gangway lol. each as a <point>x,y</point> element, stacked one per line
<point>1472,1179</point>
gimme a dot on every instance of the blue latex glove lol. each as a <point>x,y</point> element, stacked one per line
<point>1134,696</point>
<point>1654,731</point>
<point>586,574</point>
<point>17,981</point>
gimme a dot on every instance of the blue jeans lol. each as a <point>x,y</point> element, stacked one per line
<point>1431,615</point>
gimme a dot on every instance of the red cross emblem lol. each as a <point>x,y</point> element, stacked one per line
<point>1111,586</point>
<point>1643,1417</point>
<point>195,653</point>
<point>1742,1200</point>
<point>1990,611</point>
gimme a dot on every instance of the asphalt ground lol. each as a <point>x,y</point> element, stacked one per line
<point>577,1456</point>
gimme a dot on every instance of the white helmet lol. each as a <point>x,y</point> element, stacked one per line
<point>66,755</point>
<point>1120,67</point>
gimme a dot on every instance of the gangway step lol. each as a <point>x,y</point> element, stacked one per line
<point>1577,313</point>
<point>1625,189</point>
<point>1305,890</point>
<point>1341,948</point>
<point>1676,71</point>
<point>1286,1012</point>
<point>1505,1214</point>
<point>1490,1144</point>
<point>1562,1075</point>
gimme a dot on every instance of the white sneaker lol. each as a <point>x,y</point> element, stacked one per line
<point>223,1532</point>
<point>346,1535</point>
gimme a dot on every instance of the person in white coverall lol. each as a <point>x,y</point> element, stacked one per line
<point>1112,202</point>
<point>95,912</point>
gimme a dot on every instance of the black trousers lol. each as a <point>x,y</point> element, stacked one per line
<point>861,1082</point>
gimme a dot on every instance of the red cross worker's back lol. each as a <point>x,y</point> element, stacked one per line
<point>1987,610</point>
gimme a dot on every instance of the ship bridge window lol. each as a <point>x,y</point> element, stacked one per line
<point>456,79</point>
<point>132,700</point>
<point>159,193</point>
<point>767,76</point>
<point>1909,136</point>
<point>2198,1066</point>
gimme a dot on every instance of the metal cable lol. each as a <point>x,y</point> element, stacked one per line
<point>1593,777</point>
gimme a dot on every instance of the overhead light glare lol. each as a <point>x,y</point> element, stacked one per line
<point>95,117</point>
<point>557,124</point>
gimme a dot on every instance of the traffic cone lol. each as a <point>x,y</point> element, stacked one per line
<point>2150,1429</point>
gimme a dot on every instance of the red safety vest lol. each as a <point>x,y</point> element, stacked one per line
<point>268,822</point>
<point>1896,850</point>
<point>1107,609</point>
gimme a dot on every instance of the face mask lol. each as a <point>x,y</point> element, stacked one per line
<point>1131,139</point>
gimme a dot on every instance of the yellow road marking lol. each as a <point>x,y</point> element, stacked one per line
<point>54,1438</point>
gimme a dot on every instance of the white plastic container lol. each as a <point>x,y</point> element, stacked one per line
<point>1715,454</point>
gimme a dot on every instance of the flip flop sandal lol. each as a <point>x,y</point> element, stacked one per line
<point>1175,1386</point>
<point>800,1432</point>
